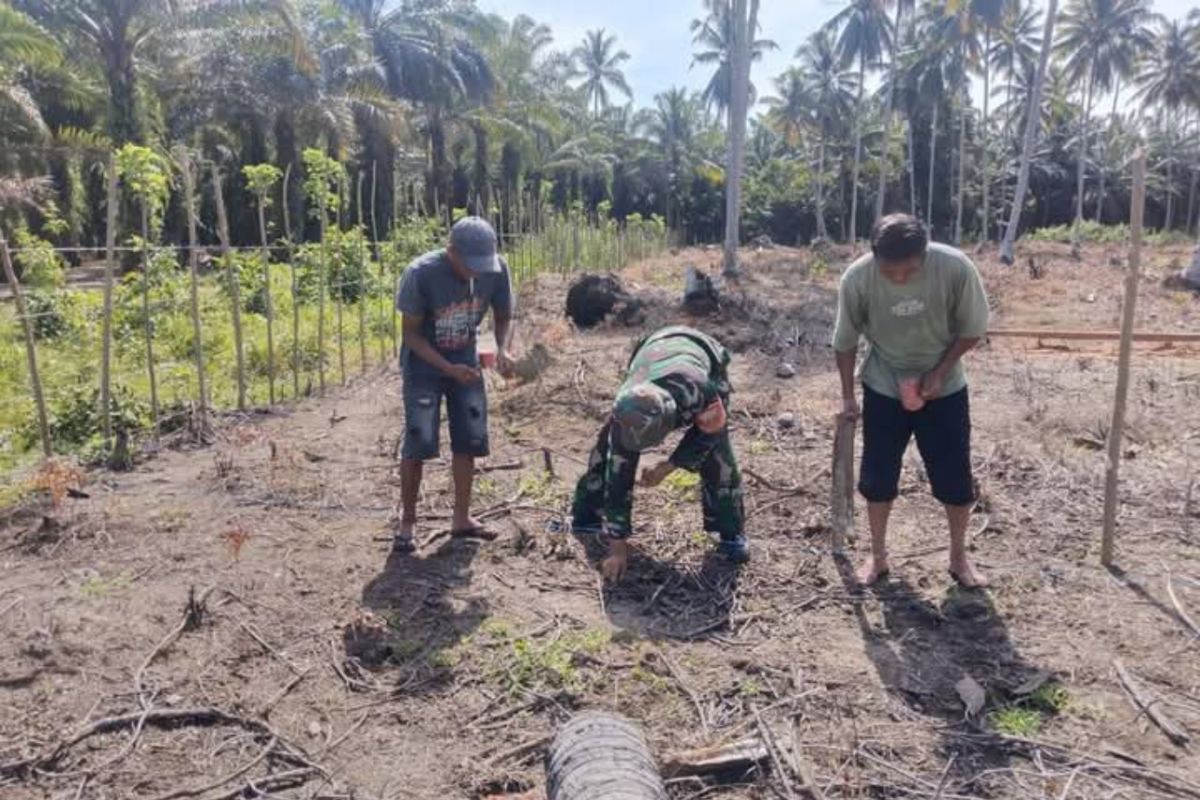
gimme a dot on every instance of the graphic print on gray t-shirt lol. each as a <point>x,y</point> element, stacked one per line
<point>449,307</point>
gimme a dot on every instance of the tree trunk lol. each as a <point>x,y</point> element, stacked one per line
<point>1080,156</point>
<point>822,231</point>
<point>1100,196</point>
<point>745,19</point>
<point>124,125</point>
<point>889,105</point>
<point>932,158</point>
<point>439,182</point>
<point>985,155</point>
<point>854,173</point>
<point>1032,123</point>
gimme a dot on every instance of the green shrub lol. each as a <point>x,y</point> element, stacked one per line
<point>51,312</point>
<point>75,417</point>
<point>38,265</point>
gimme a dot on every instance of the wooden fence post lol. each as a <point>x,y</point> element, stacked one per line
<point>339,297</point>
<point>362,280</point>
<point>189,202</point>
<point>269,307</point>
<point>110,269</point>
<point>841,501</point>
<point>291,250</point>
<point>1116,430</point>
<point>379,255</point>
<point>321,281</point>
<point>35,381</point>
<point>148,323</point>
<point>235,285</point>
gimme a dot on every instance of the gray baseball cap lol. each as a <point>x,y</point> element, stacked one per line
<point>474,239</point>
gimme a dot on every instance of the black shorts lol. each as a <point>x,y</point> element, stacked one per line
<point>943,432</point>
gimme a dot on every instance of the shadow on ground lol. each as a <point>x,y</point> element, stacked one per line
<point>922,651</point>
<point>417,597</point>
<point>667,600</point>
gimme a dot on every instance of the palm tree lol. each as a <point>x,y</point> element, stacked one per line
<point>1014,52</point>
<point>713,35</point>
<point>1097,39</point>
<point>671,125</point>
<point>24,48</point>
<point>893,72</point>
<point>832,91</point>
<point>601,69</point>
<point>1032,126</point>
<point>865,34</point>
<point>1170,80</point>
<point>745,23</point>
<point>990,13</point>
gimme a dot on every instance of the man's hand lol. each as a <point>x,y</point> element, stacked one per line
<point>931,384</point>
<point>615,566</point>
<point>506,365</point>
<point>653,476</point>
<point>464,374</point>
<point>850,409</point>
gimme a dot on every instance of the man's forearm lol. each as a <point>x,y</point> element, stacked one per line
<point>845,365</point>
<point>419,345</point>
<point>503,331</point>
<point>953,355</point>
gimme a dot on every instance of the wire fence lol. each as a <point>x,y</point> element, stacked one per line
<point>192,329</point>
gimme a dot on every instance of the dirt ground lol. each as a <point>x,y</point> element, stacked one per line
<point>226,621</point>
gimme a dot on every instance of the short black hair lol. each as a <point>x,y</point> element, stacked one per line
<point>899,236</point>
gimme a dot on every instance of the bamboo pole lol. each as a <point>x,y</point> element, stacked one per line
<point>1116,430</point>
<point>189,201</point>
<point>291,251</point>
<point>110,246</point>
<point>269,306</point>
<point>147,322</point>
<point>235,289</point>
<point>35,381</point>
<point>379,255</point>
<point>339,297</point>
<point>362,281</point>
<point>842,494</point>
<point>321,200</point>
<point>1093,336</point>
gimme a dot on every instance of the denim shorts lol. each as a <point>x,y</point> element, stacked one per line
<point>943,433</point>
<point>466,408</point>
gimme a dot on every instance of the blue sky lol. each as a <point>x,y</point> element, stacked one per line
<point>656,34</point>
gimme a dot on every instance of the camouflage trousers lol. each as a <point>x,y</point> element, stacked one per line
<point>605,492</point>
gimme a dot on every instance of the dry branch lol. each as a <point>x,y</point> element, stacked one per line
<point>842,498</point>
<point>739,756</point>
<point>1179,609</point>
<point>1151,706</point>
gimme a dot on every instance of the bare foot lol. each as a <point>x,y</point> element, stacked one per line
<point>470,528</point>
<point>405,537</point>
<point>968,577</point>
<point>872,571</point>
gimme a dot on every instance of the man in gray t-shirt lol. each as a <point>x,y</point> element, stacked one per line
<point>443,297</point>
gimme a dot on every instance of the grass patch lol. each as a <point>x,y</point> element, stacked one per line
<point>97,587</point>
<point>524,663</point>
<point>683,485</point>
<point>1017,721</point>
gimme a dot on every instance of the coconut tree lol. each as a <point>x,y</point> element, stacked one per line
<point>1170,81</point>
<point>831,88</point>
<point>894,67</point>
<point>865,33</point>
<point>713,35</point>
<point>745,22</point>
<point>1032,126</point>
<point>1014,52</point>
<point>1097,40</point>
<point>600,63</point>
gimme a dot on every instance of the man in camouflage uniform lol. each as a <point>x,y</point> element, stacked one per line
<point>678,378</point>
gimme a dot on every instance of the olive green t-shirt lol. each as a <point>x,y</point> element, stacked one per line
<point>909,328</point>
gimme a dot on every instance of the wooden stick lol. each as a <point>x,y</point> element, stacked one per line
<point>1116,430</point>
<point>362,281</point>
<point>35,381</point>
<point>1142,699</point>
<point>1179,609</point>
<point>110,269</point>
<point>235,289</point>
<point>291,251</point>
<point>741,755</point>
<point>147,321</point>
<point>268,306</point>
<point>1091,336</point>
<point>773,749</point>
<point>189,202</point>
<point>842,498</point>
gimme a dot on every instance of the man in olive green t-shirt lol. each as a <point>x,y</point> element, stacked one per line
<point>921,307</point>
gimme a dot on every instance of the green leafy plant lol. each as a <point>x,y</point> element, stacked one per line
<point>146,175</point>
